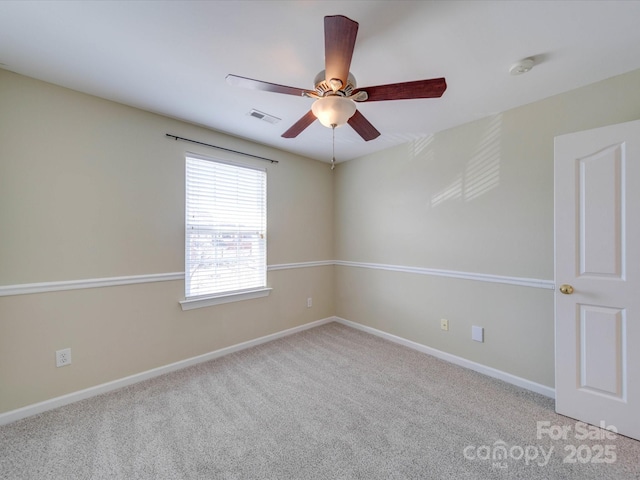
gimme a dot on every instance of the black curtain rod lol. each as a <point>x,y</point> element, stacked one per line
<point>221,148</point>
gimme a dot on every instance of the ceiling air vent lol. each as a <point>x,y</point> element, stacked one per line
<point>263,116</point>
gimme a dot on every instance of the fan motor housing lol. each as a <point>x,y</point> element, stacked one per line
<point>324,88</point>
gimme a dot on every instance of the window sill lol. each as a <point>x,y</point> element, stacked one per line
<point>208,301</point>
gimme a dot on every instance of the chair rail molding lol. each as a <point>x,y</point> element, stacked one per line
<point>42,287</point>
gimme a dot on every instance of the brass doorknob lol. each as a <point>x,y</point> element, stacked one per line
<point>566,289</point>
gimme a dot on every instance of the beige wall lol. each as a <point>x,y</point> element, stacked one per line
<point>476,198</point>
<point>91,189</point>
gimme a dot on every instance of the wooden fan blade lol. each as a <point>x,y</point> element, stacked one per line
<point>245,82</point>
<point>363,127</point>
<point>432,88</point>
<point>339,40</point>
<point>297,128</point>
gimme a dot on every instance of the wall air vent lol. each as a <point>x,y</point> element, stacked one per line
<point>263,116</point>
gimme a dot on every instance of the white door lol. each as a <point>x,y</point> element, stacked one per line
<point>597,274</point>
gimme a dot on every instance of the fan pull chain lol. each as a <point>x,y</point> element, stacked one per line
<point>333,135</point>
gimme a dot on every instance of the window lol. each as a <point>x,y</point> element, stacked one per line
<point>225,257</point>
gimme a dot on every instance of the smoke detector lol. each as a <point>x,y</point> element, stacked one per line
<point>523,66</point>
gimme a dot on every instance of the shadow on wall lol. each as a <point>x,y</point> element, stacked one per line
<point>481,173</point>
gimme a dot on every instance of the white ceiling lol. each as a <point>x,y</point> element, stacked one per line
<point>171,57</point>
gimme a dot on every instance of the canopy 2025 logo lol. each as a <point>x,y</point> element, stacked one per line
<point>596,453</point>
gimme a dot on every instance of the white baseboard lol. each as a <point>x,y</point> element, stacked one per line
<point>36,408</point>
<point>463,362</point>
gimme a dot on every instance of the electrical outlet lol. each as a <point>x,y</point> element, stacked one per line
<point>309,302</point>
<point>444,324</point>
<point>63,357</point>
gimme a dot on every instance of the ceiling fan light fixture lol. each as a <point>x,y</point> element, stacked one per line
<point>335,91</point>
<point>333,110</point>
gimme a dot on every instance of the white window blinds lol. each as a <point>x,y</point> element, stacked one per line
<point>225,228</point>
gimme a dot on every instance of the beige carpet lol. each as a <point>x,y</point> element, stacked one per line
<point>328,403</point>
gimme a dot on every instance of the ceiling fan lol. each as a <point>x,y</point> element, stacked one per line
<point>335,87</point>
